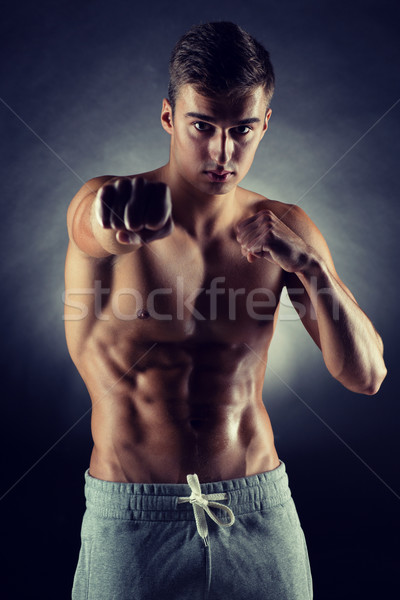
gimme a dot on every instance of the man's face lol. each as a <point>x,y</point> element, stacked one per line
<point>213,141</point>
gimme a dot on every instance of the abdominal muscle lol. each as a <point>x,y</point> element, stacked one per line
<point>167,420</point>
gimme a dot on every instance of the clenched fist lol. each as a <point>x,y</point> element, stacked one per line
<point>264,235</point>
<point>138,210</point>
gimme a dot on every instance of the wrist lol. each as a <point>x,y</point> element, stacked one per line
<point>313,267</point>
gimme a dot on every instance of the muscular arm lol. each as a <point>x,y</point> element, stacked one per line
<point>351,347</point>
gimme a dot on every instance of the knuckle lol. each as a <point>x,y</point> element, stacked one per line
<point>117,211</point>
<point>134,215</point>
<point>123,185</point>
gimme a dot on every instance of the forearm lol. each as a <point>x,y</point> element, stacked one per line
<point>351,347</point>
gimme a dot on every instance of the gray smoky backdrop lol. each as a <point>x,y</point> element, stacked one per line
<point>81,87</point>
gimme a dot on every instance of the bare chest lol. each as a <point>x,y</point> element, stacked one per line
<point>175,290</point>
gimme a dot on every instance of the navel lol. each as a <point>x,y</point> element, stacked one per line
<point>143,314</point>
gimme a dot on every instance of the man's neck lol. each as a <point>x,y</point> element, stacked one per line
<point>202,215</point>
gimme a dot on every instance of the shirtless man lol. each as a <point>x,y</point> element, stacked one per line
<point>173,279</point>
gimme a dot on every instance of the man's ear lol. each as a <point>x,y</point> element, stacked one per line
<point>267,118</point>
<point>166,116</point>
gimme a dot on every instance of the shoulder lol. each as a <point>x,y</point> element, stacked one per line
<point>92,185</point>
<point>88,189</point>
<point>291,214</point>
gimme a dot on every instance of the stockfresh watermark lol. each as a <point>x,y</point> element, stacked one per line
<point>216,301</point>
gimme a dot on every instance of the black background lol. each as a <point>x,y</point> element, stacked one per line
<point>81,85</point>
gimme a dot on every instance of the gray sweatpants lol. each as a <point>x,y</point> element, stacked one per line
<point>142,541</point>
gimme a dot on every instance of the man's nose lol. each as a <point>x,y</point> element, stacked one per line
<point>221,148</point>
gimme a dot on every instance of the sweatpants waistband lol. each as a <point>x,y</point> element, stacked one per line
<point>159,501</point>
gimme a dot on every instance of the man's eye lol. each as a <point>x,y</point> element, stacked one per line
<point>243,129</point>
<point>201,126</point>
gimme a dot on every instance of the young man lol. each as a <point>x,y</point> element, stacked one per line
<point>173,281</point>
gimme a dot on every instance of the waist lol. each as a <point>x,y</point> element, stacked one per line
<point>165,453</point>
<point>159,501</point>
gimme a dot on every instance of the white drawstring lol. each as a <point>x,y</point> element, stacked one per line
<point>201,504</point>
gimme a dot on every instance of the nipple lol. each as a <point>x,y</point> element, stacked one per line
<point>143,314</point>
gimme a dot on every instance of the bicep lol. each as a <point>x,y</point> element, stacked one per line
<point>302,304</point>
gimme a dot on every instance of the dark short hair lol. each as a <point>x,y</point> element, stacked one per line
<point>220,59</point>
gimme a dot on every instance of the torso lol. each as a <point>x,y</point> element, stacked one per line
<point>180,391</point>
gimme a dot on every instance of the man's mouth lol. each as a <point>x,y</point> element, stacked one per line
<point>218,176</point>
